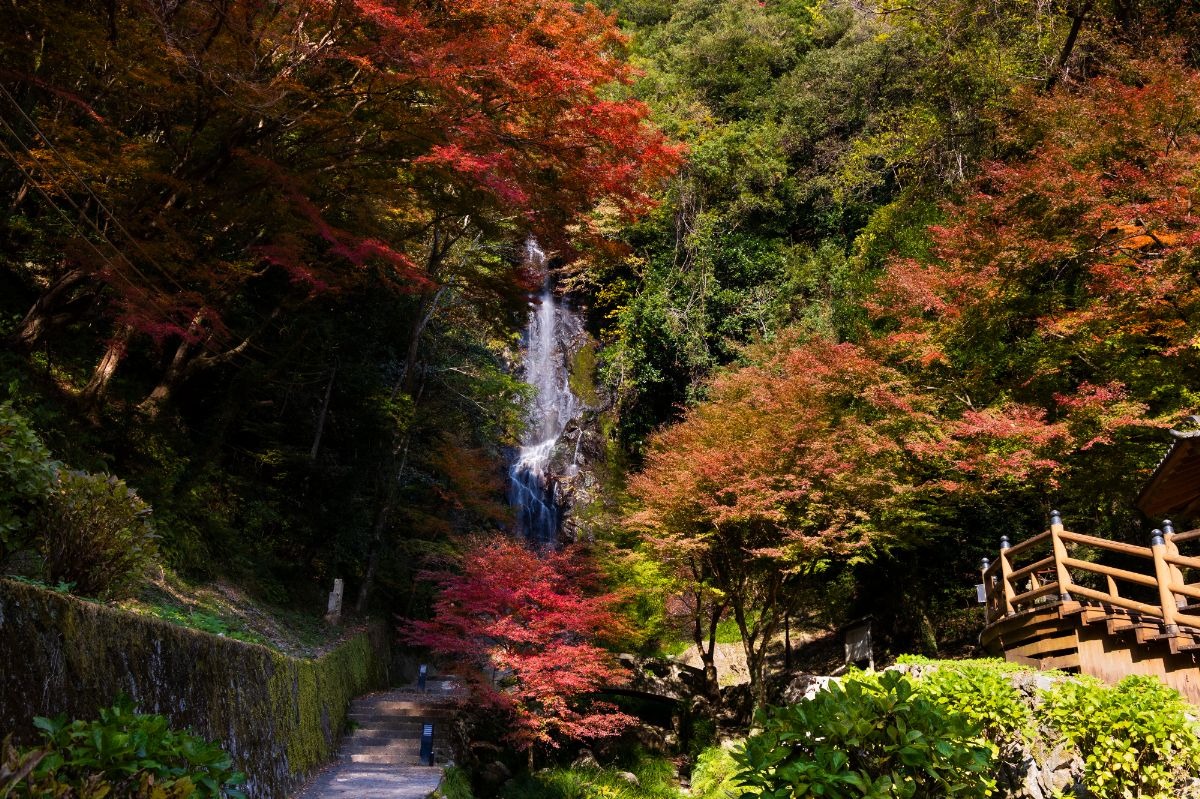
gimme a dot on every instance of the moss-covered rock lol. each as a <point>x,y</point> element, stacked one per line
<point>280,717</point>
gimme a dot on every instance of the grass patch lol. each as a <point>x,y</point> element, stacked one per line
<point>223,609</point>
<point>727,633</point>
<point>655,780</point>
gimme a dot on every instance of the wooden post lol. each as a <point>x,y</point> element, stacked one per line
<point>984,565</point>
<point>1060,556</point>
<point>1173,549</point>
<point>1162,573</point>
<point>1005,576</point>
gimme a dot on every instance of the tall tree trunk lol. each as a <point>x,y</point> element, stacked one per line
<point>1068,46</point>
<point>316,446</point>
<point>704,634</point>
<point>93,393</point>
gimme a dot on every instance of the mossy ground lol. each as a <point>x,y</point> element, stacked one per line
<point>224,609</point>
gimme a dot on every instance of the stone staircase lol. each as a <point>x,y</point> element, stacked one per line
<point>388,726</point>
<point>380,758</point>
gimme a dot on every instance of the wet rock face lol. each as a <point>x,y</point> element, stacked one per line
<point>552,473</point>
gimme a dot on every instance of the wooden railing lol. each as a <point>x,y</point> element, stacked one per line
<point>1044,570</point>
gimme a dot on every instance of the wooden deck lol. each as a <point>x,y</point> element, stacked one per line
<point>1063,600</point>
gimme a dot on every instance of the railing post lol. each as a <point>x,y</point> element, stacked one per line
<point>1060,556</point>
<point>1005,574</point>
<point>1162,573</point>
<point>984,565</point>
<point>1173,549</point>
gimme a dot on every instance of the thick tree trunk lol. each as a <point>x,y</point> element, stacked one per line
<point>93,393</point>
<point>704,633</point>
<point>45,313</point>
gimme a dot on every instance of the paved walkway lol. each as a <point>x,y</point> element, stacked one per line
<point>380,759</point>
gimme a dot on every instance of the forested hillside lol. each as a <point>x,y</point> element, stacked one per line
<point>854,290</point>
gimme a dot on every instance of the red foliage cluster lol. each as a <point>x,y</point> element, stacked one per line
<point>523,630</point>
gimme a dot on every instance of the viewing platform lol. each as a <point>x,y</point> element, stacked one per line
<point>1080,603</point>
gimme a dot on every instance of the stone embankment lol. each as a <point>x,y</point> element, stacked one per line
<point>281,717</point>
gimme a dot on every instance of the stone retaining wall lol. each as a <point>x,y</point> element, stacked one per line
<point>279,716</point>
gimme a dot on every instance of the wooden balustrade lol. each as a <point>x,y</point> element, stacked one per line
<point>1040,570</point>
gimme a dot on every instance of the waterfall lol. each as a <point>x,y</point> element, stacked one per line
<point>549,334</point>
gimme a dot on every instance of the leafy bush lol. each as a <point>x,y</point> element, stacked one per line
<point>715,775</point>
<point>26,476</point>
<point>981,691</point>
<point>96,533</point>
<point>1135,738</point>
<point>872,736</point>
<point>123,754</point>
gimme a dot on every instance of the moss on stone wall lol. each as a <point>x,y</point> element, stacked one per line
<point>279,716</point>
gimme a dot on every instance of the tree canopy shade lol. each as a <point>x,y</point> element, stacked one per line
<point>282,241</point>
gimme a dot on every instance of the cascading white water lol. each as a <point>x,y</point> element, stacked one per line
<point>552,328</point>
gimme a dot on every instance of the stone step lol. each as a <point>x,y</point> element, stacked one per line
<point>399,730</point>
<point>369,781</point>
<point>382,721</point>
<point>402,707</point>
<point>403,745</point>
<point>357,741</point>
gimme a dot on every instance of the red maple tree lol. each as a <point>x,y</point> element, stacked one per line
<point>523,631</point>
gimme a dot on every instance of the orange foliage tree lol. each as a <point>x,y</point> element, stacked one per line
<point>1053,324</point>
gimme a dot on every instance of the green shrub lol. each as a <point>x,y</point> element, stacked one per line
<point>1135,738</point>
<point>981,691</point>
<point>871,736</point>
<point>715,775</point>
<point>26,476</point>
<point>455,784</point>
<point>96,534</point>
<point>123,754</point>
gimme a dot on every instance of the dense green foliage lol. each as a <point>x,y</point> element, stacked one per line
<point>870,736</point>
<point>126,754</point>
<point>96,534</point>
<point>983,692</point>
<point>1136,737</point>
<point>964,722</point>
<point>654,778</point>
<point>26,476</point>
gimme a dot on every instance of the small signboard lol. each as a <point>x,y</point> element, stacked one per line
<point>981,594</point>
<point>427,744</point>
<point>858,645</point>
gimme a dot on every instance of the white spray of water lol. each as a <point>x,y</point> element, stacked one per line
<point>551,329</point>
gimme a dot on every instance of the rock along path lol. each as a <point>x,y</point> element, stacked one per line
<point>380,759</point>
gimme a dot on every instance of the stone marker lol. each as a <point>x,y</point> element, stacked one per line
<point>333,614</point>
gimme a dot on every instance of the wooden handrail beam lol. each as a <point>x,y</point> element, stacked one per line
<point>1048,588</point>
<point>1017,549</point>
<point>1111,571</point>
<point>1183,560</point>
<point>1037,565</point>
<point>1188,620</point>
<point>1186,590</point>
<point>1120,602</point>
<point>1103,543</point>
<point>1183,538</point>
